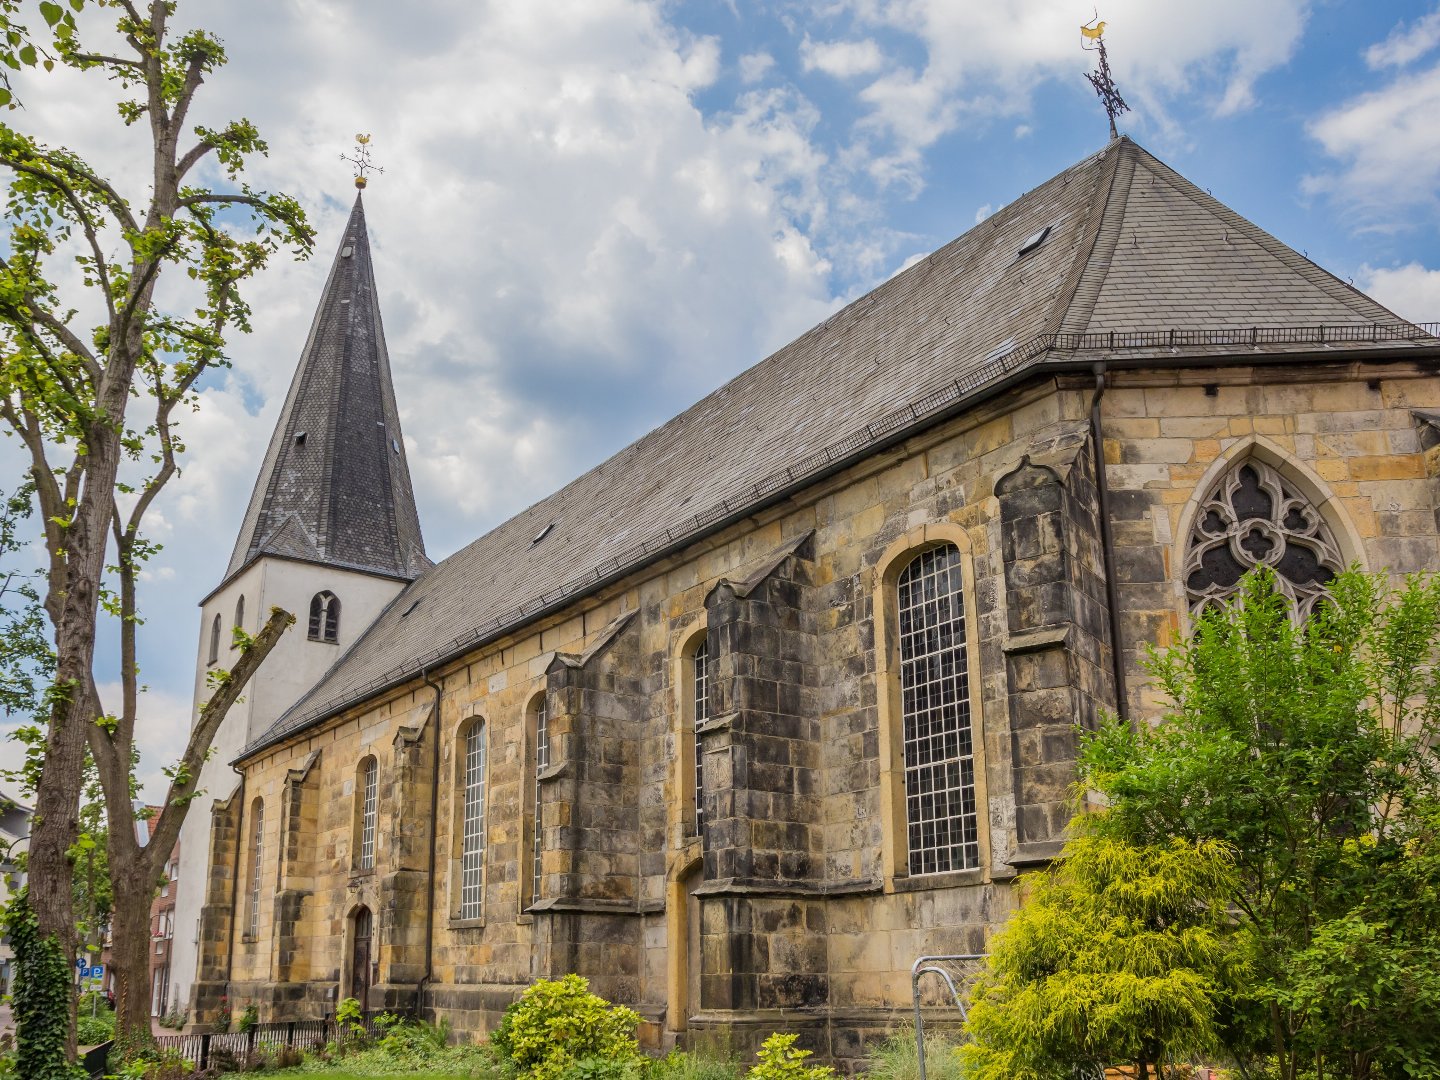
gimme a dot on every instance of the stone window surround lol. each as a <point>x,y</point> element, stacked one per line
<point>457,826</point>
<point>894,836</point>
<point>682,683</point>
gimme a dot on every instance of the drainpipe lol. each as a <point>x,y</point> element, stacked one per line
<point>425,979</point>
<point>1107,544</point>
<point>235,888</point>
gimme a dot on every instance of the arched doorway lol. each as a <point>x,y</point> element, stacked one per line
<point>361,954</point>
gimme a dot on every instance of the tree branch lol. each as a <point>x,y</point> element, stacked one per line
<point>212,713</point>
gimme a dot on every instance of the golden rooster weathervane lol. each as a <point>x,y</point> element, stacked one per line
<point>361,160</point>
<point>1093,35</point>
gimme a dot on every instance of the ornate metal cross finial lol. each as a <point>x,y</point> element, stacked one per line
<point>361,160</point>
<point>1104,83</point>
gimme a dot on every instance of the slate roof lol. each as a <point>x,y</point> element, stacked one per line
<point>335,487</point>
<point>1136,259</point>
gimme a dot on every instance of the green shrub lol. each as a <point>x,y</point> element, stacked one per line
<point>93,1030</point>
<point>779,1060</point>
<point>249,1017</point>
<point>558,1023</point>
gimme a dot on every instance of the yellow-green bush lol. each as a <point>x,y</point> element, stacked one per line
<point>557,1023</point>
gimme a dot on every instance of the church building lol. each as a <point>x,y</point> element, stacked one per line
<point>786,694</point>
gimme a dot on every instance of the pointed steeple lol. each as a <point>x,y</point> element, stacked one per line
<point>335,487</point>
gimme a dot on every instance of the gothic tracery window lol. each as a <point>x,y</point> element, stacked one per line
<point>1252,517</point>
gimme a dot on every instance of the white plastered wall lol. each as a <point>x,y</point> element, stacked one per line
<point>293,667</point>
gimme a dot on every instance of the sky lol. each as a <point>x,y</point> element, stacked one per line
<point>594,212</point>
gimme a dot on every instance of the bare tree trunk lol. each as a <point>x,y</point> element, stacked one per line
<point>130,961</point>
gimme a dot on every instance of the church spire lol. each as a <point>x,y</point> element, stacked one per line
<point>335,488</point>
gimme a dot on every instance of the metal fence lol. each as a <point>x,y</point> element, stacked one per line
<point>236,1048</point>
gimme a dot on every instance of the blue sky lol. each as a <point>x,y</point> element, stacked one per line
<point>595,211</point>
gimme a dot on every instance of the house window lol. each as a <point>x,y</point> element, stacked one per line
<point>700,696</point>
<point>240,614</point>
<point>257,853</point>
<point>1252,517</point>
<point>325,617</point>
<point>542,762</point>
<point>942,823</point>
<point>472,843</point>
<point>365,791</point>
<point>214,654</point>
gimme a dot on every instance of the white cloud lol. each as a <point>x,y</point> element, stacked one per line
<point>562,242</point>
<point>755,66</point>
<point>1406,43</point>
<point>983,212</point>
<point>1388,146</point>
<point>1411,291</point>
<point>841,59</point>
<point>983,62</point>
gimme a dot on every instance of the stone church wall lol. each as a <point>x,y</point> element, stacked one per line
<point>797,904</point>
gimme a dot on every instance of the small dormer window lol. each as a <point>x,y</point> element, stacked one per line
<point>325,617</point>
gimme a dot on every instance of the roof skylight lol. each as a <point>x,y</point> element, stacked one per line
<point>1033,241</point>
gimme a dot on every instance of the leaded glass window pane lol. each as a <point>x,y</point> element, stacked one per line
<point>472,850</point>
<point>369,780</point>
<point>542,761</point>
<point>257,858</point>
<point>941,815</point>
<point>701,691</point>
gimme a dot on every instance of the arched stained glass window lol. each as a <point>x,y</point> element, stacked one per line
<point>941,817</point>
<point>542,762</point>
<point>257,859</point>
<point>366,793</point>
<point>1251,517</point>
<point>472,836</point>
<point>214,651</point>
<point>700,689</point>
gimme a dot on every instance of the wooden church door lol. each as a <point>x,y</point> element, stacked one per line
<point>360,957</point>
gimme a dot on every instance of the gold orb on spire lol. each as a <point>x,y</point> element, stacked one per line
<point>361,160</point>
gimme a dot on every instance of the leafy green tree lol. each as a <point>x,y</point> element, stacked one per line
<point>1118,955</point>
<point>1309,752</point>
<point>94,401</point>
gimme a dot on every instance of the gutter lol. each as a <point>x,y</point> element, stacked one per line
<point>428,977</point>
<point>1107,545</point>
<point>1007,380</point>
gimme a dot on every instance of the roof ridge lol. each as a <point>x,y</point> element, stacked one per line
<point>1077,303</point>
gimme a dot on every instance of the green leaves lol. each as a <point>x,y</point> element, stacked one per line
<point>1308,751</point>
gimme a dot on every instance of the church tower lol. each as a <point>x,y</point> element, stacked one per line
<point>331,534</point>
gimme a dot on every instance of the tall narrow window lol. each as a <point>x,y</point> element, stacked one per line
<point>366,791</point>
<point>214,654</point>
<point>257,858</point>
<point>325,617</point>
<point>940,807</point>
<point>701,692</point>
<point>472,849</point>
<point>542,762</point>
<point>240,614</point>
